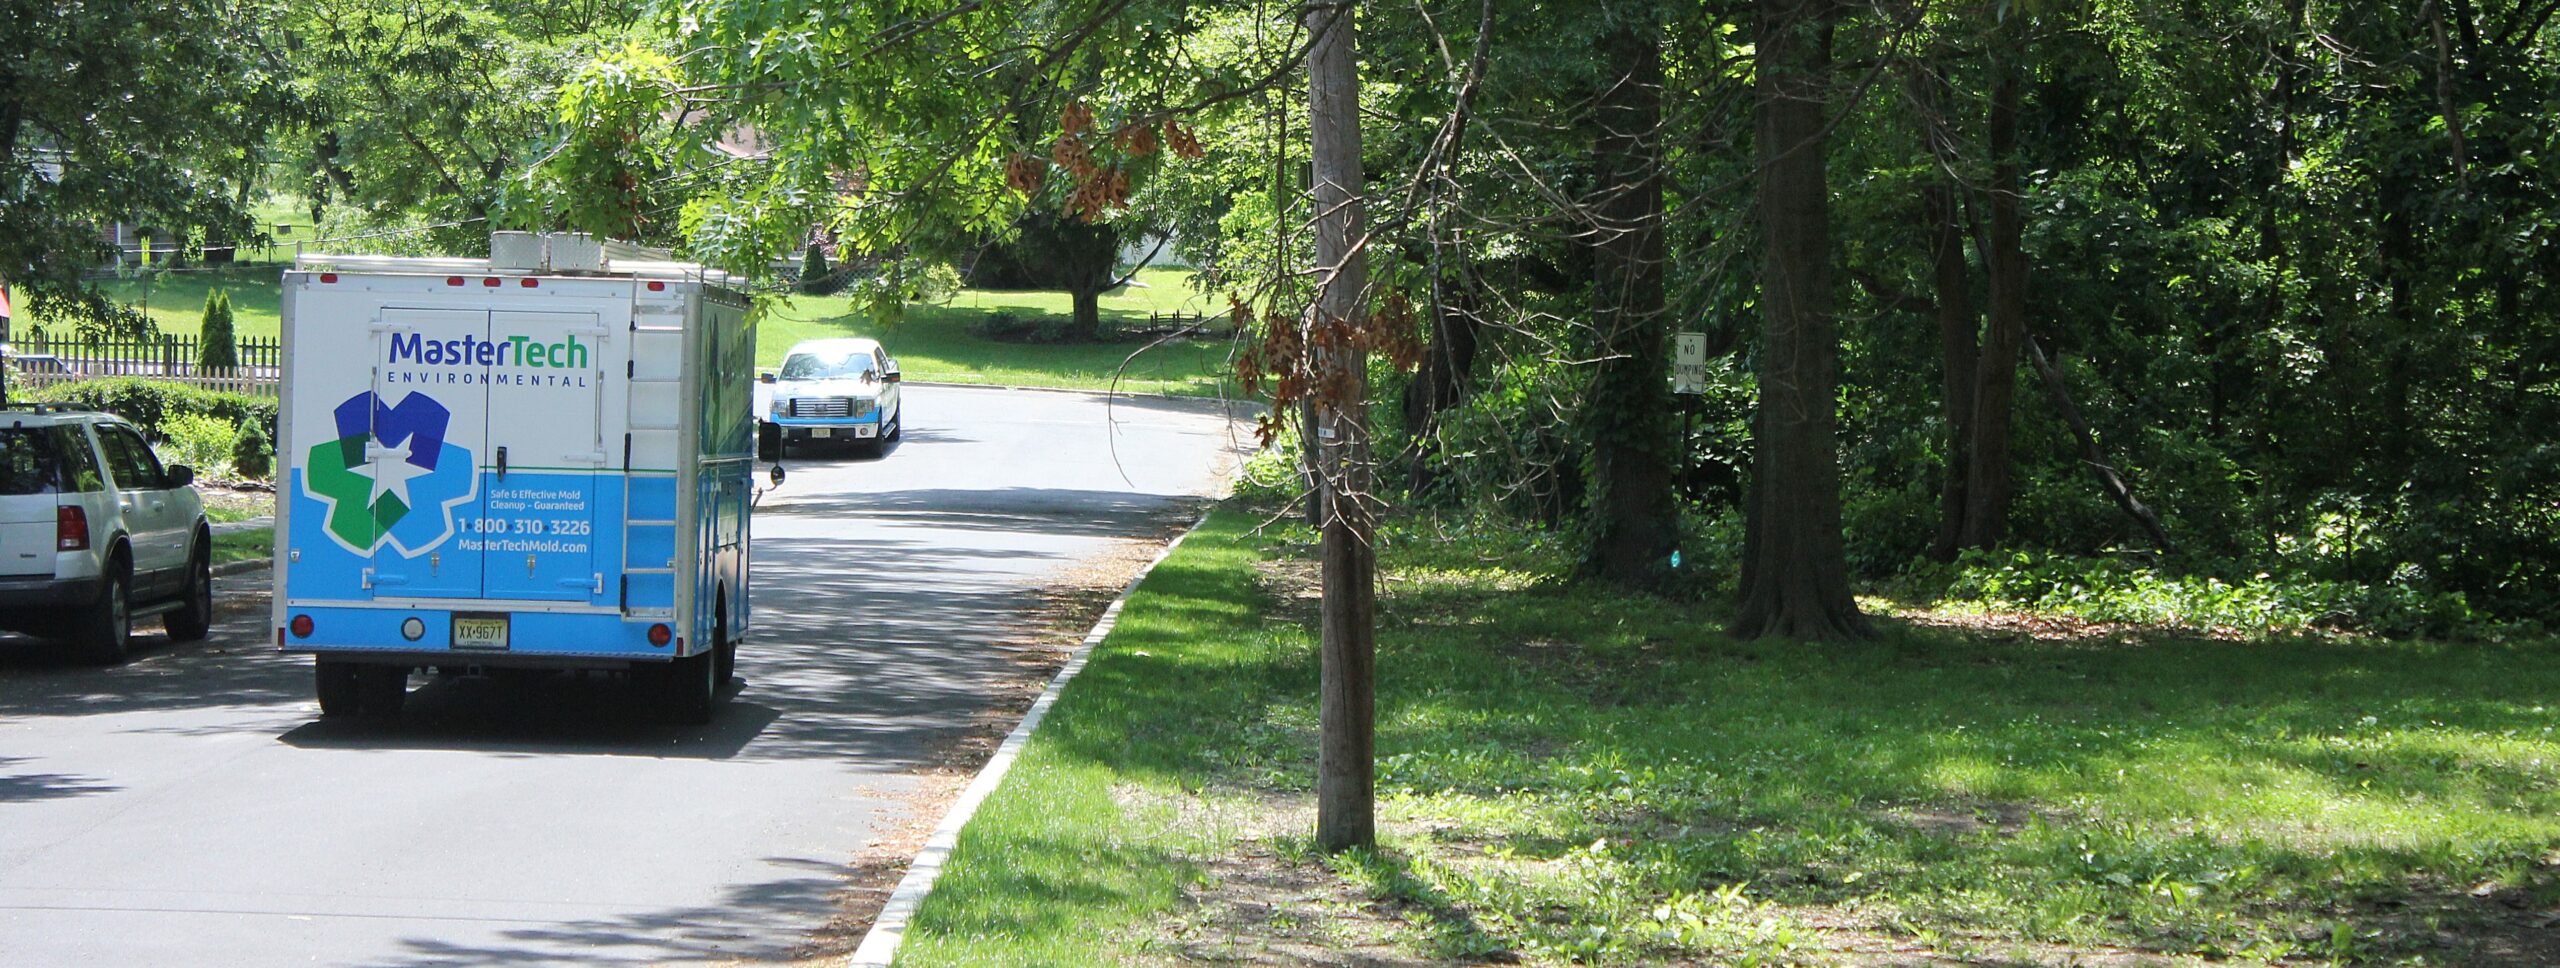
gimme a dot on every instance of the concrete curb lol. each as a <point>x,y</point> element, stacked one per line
<point>880,945</point>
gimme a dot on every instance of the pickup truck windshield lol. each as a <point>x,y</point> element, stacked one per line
<point>811,366</point>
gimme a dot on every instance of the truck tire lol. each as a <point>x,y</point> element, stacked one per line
<point>690,693</point>
<point>725,651</point>
<point>103,631</point>
<point>194,618</point>
<point>381,690</point>
<point>335,682</point>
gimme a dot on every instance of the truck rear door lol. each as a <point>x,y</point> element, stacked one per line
<point>546,445</point>
<point>429,418</point>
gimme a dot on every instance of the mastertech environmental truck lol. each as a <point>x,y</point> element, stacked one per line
<point>540,460</point>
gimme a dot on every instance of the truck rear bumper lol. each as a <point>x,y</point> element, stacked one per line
<point>426,636</point>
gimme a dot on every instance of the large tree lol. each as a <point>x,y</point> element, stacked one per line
<point>1795,574</point>
<point>1627,411</point>
<point>421,111</point>
<point>150,112</point>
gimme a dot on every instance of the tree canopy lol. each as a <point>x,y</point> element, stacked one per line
<point>153,113</point>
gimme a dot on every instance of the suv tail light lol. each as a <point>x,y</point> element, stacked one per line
<point>70,528</point>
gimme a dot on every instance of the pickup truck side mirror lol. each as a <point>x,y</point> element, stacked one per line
<point>765,378</point>
<point>890,375</point>
<point>769,445</point>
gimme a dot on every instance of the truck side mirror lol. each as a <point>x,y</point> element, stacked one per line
<point>776,476</point>
<point>891,374</point>
<point>765,378</point>
<point>769,445</point>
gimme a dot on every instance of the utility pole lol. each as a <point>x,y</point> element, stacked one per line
<point>1346,775</point>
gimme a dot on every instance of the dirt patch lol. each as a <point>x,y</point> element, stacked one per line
<point>1966,818</point>
<point>1851,939</point>
<point>1258,907</point>
<point>239,499</point>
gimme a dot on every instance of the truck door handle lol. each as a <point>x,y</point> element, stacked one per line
<point>502,462</point>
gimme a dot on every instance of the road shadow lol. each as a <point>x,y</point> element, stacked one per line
<point>30,787</point>
<point>737,927</point>
<point>599,715</point>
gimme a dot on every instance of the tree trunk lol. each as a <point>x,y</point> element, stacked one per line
<point>1634,523</point>
<point>1957,325</point>
<point>1346,780</point>
<point>1795,572</point>
<point>1086,296</point>
<point>2090,453</point>
<point>1444,378</point>
<point>1987,485</point>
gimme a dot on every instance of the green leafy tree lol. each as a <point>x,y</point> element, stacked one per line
<point>422,111</point>
<point>151,112</point>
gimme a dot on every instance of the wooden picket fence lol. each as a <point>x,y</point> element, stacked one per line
<point>40,360</point>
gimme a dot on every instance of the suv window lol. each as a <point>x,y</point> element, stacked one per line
<point>40,460</point>
<point>136,467</point>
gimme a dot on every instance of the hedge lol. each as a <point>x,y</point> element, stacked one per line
<point>152,403</point>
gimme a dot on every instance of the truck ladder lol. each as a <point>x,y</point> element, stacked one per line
<point>649,445</point>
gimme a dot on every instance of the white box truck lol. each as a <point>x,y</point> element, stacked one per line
<point>540,460</point>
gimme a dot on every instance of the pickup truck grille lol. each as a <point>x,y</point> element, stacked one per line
<point>829,407</point>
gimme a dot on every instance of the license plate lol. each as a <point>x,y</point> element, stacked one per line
<point>822,431</point>
<point>480,631</point>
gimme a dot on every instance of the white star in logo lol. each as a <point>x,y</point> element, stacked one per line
<point>390,470</point>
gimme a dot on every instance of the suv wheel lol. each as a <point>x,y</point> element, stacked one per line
<point>194,616</point>
<point>104,629</point>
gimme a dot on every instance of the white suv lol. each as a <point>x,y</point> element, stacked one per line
<point>93,531</point>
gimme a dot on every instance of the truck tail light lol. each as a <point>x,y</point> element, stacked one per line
<point>302,626</point>
<point>660,635</point>
<point>70,528</point>
<point>328,277</point>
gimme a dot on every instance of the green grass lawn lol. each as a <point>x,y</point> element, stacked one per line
<point>933,342</point>
<point>1570,776</point>
<point>939,342</point>
<point>255,543</point>
<point>175,299</point>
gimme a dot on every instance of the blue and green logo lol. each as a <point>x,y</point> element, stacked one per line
<point>387,463</point>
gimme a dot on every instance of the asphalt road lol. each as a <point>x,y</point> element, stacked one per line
<point>190,808</point>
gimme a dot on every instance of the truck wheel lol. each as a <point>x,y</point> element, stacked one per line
<point>725,651</point>
<point>382,690</point>
<point>897,424</point>
<point>195,618</point>
<point>104,630</point>
<point>691,690</point>
<point>335,681</point>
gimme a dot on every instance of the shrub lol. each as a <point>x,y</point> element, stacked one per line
<point>218,348</point>
<point>816,277</point>
<point>151,405</point>
<point>253,456</point>
<point>202,442</point>
<point>2120,590</point>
